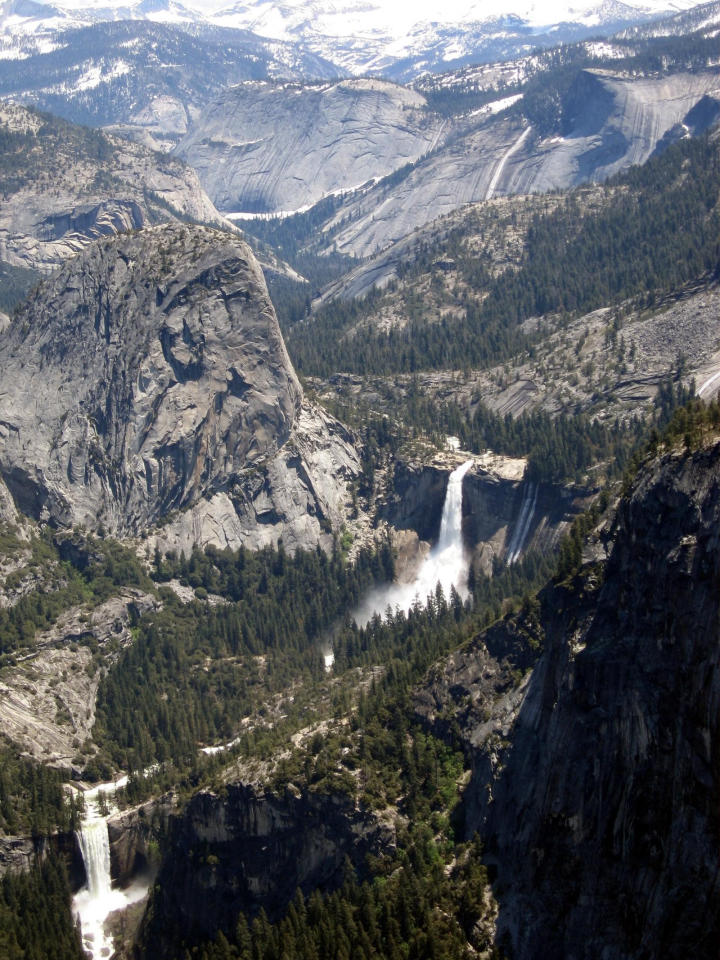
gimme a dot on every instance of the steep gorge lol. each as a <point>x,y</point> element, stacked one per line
<point>595,781</point>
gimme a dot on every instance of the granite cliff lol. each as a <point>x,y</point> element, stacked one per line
<point>148,382</point>
<point>263,147</point>
<point>610,121</point>
<point>591,722</point>
<point>247,849</point>
<point>64,186</point>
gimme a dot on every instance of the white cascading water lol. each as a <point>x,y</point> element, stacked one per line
<point>97,900</point>
<point>522,527</point>
<point>447,562</point>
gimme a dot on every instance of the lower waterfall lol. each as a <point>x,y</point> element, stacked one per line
<point>97,900</point>
<point>447,562</point>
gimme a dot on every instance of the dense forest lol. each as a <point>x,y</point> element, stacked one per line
<point>33,800</point>
<point>256,635</point>
<point>35,920</point>
<point>207,665</point>
<point>657,229</point>
<point>425,899</point>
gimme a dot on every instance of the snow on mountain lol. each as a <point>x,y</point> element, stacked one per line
<point>362,36</point>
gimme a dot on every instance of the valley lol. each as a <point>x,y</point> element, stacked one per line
<point>359,439</point>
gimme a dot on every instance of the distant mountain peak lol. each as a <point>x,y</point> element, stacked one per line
<point>361,36</point>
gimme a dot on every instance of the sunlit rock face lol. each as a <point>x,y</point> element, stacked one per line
<point>264,147</point>
<point>150,378</point>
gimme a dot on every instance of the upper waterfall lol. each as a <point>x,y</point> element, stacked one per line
<point>446,564</point>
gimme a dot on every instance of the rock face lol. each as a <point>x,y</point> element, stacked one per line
<point>61,197</point>
<point>504,515</point>
<point>134,836</point>
<point>249,849</point>
<point>47,701</point>
<point>595,782</point>
<point>264,147</point>
<point>612,122</point>
<point>149,376</point>
<point>23,853</point>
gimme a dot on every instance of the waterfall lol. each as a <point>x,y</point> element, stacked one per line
<point>97,899</point>
<point>522,527</point>
<point>446,563</point>
<point>95,849</point>
<point>451,522</point>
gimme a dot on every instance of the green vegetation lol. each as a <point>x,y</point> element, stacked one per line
<point>35,918</point>
<point>424,901</point>
<point>32,799</point>
<point>198,670</point>
<point>657,228</point>
<point>204,667</point>
<point>559,448</point>
<point>31,156</point>
<point>85,571</point>
<point>414,909</point>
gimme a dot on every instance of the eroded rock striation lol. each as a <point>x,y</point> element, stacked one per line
<point>263,147</point>
<point>611,121</point>
<point>149,378</point>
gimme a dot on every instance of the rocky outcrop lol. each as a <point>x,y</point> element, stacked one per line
<point>504,514</point>
<point>149,378</point>
<point>595,780</point>
<point>135,837</point>
<point>264,147</point>
<point>299,495</point>
<point>70,186</point>
<point>48,699</point>
<point>612,121</point>
<point>246,849</point>
<point>416,498</point>
<point>22,853</point>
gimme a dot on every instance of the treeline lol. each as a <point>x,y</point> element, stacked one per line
<point>411,904</point>
<point>559,448</point>
<point>658,228</point>
<point>35,918</point>
<point>419,912</point>
<point>565,446</point>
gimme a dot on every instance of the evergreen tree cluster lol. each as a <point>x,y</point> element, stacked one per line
<point>657,229</point>
<point>32,798</point>
<point>197,669</point>
<point>35,918</point>
<point>417,912</point>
